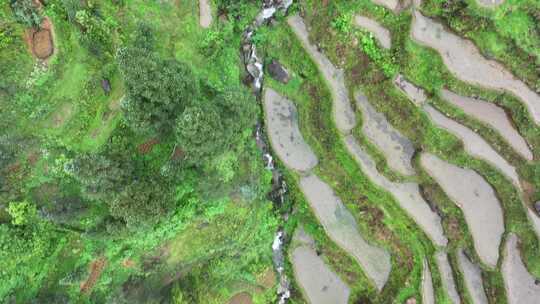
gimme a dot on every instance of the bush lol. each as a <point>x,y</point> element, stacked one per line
<point>21,212</point>
<point>26,13</point>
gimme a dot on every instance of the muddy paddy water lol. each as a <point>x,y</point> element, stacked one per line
<point>520,285</point>
<point>473,279</point>
<point>407,194</point>
<point>205,13</point>
<point>415,94</point>
<point>397,148</point>
<point>465,61</point>
<point>374,27</point>
<point>492,115</point>
<point>281,120</point>
<point>477,200</point>
<point>343,113</point>
<point>318,282</point>
<point>428,296</point>
<point>447,277</point>
<point>341,227</point>
<point>474,144</point>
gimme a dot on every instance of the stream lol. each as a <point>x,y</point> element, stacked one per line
<point>255,68</point>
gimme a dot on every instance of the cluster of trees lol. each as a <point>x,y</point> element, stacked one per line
<point>164,99</point>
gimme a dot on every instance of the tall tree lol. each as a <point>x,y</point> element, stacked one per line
<point>101,176</point>
<point>158,90</point>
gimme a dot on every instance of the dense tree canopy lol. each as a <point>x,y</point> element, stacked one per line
<point>99,175</point>
<point>157,90</point>
<point>142,201</point>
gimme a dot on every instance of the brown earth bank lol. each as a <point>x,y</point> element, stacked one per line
<point>40,40</point>
<point>241,298</point>
<point>96,267</point>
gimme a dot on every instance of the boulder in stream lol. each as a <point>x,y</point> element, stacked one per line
<point>278,72</point>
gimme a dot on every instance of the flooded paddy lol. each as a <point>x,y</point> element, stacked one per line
<point>478,201</point>
<point>447,277</point>
<point>318,282</point>
<point>281,119</point>
<point>474,144</point>
<point>464,60</point>
<point>473,279</point>
<point>492,115</point>
<point>343,113</point>
<point>407,194</point>
<point>341,227</point>
<point>520,284</point>
<point>397,149</point>
<point>380,32</point>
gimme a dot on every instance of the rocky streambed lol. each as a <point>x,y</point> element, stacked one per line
<point>254,68</point>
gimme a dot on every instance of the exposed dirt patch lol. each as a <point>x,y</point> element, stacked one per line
<point>241,298</point>
<point>42,45</point>
<point>41,41</point>
<point>96,267</point>
<point>268,278</point>
<point>59,118</point>
<point>147,146</point>
<point>128,263</point>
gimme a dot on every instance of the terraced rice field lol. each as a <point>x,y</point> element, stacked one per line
<point>423,204</point>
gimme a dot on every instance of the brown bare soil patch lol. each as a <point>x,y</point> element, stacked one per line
<point>147,147</point>
<point>268,278</point>
<point>96,267</point>
<point>42,45</point>
<point>41,41</point>
<point>128,263</point>
<point>241,298</point>
<point>62,115</point>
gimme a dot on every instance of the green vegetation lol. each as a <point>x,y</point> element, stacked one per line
<point>129,172</point>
